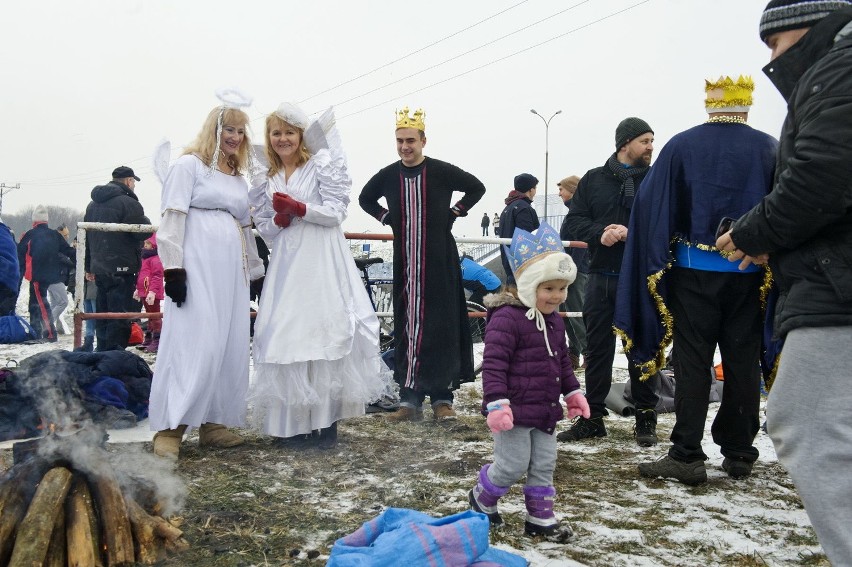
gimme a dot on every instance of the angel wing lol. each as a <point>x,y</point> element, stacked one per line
<point>322,133</point>
<point>161,158</point>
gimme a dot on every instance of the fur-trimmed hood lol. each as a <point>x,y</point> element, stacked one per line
<point>501,298</point>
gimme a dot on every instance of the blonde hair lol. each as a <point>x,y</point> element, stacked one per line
<point>274,121</point>
<point>204,145</point>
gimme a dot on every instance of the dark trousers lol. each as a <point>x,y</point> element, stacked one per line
<point>711,308</point>
<point>598,313</point>
<point>115,295</point>
<point>575,326</point>
<point>40,318</point>
<point>415,398</point>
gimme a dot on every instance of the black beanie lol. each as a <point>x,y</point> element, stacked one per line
<point>524,182</point>
<point>784,15</point>
<point>628,129</point>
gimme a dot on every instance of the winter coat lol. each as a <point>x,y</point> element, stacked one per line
<point>596,205</point>
<point>579,255</point>
<point>10,271</point>
<point>150,275</point>
<point>520,213</point>
<point>805,223</point>
<point>517,366</point>
<point>485,222</point>
<point>114,252</point>
<point>44,255</point>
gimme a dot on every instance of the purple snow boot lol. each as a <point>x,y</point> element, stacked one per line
<point>540,520</point>
<point>484,496</point>
<point>154,345</point>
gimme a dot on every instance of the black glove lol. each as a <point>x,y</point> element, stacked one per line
<point>175,279</point>
<point>256,287</point>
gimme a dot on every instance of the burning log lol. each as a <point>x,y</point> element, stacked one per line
<point>54,513</point>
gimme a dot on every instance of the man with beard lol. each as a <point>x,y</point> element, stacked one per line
<point>598,216</point>
<point>433,351</point>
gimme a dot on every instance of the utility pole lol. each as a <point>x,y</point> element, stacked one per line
<point>4,188</point>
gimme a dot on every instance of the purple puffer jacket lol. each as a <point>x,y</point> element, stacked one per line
<point>516,365</point>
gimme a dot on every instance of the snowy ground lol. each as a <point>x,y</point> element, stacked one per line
<point>261,505</point>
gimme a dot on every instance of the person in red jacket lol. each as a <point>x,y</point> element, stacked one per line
<point>149,290</point>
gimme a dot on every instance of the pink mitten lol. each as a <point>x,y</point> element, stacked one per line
<point>500,416</point>
<point>577,405</point>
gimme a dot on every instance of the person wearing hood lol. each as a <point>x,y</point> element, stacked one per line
<point>518,213</point>
<point>113,258</point>
<point>149,290</point>
<point>803,228</point>
<point>43,253</point>
<point>524,350</point>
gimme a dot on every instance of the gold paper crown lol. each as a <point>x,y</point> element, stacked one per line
<point>725,94</point>
<point>414,121</point>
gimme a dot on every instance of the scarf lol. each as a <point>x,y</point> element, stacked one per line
<point>626,175</point>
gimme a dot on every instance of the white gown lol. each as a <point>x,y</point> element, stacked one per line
<point>202,369</point>
<point>316,339</point>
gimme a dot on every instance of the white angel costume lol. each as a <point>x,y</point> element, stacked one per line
<point>202,369</point>
<point>316,339</point>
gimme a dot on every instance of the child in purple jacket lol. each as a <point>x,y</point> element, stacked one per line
<point>525,369</point>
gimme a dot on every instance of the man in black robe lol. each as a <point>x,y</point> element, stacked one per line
<point>433,347</point>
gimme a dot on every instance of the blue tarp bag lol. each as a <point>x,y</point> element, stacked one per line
<point>399,536</point>
<point>14,329</point>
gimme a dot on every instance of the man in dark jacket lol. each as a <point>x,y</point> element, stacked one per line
<point>599,215</point>
<point>519,213</point>
<point>113,259</point>
<point>804,229</point>
<point>43,254</point>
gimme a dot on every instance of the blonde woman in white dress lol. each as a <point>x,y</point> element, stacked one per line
<point>316,341</point>
<point>208,251</point>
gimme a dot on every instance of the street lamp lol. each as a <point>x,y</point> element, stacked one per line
<point>546,153</point>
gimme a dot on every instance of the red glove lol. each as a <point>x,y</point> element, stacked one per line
<point>500,416</point>
<point>577,405</point>
<point>282,220</point>
<point>283,203</point>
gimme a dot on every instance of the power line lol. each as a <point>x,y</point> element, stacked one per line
<point>415,52</point>
<point>496,60</point>
<point>460,55</point>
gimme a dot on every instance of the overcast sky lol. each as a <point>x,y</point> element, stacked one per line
<point>93,84</point>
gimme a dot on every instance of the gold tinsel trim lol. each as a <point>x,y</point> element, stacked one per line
<point>726,120</point>
<point>651,367</point>
<point>765,288</point>
<point>727,103</point>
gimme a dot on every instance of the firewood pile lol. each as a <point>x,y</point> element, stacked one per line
<point>63,505</point>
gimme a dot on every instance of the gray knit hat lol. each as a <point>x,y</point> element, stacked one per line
<point>40,214</point>
<point>784,15</point>
<point>628,129</point>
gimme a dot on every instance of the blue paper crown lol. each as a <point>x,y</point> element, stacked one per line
<point>527,246</point>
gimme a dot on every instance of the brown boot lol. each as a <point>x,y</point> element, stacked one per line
<point>405,413</point>
<point>167,442</point>
<point>216,435</point>
<point>444,412</point>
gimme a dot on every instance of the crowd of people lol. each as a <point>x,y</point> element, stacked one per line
<point>730,242</point>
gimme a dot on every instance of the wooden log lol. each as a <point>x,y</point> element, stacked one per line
<point>17,486</point>
<point>149,548</point>
<point>57,552</point>
<point>116,534</point>
<point>34,533</point>
<point>81,527</point>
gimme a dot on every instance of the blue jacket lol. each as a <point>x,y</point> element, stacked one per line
<point>44,255</point>
<point>10,269</point>
<point>473,273</point>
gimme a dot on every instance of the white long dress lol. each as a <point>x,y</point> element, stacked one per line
<point>316,339</point>
<point>202,369</point>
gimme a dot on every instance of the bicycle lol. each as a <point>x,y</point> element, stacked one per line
<point>381,300</point>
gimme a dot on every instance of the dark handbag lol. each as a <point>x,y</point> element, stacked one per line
<point>15,329</point>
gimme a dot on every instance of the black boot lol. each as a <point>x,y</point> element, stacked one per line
<point>87,346</point>
<point>645,430</point>
<point>327,437</point>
